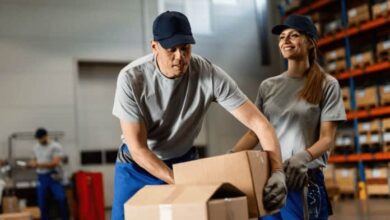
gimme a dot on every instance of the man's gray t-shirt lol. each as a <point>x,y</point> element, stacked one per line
<point>296,121</point>
<point>171,109</point>
<point>45,154</point>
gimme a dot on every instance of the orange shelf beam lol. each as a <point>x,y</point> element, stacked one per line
<point>368,70</point>
<point>304,10</point>
<point>382,156</point>
<point>380,111</point>
<point>369,25</point>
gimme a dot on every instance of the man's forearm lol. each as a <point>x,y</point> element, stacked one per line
<point>151,163</point>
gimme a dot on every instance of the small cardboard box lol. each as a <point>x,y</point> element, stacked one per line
<point>366,97</point>
<point>346,179</point>
<point>381,9</point>
<point>247,170</point>
<point>10,204</point>
<point>336,54</point>
<point>358,14</point>
<point>362,59</point>
<point>189,202</point>
<point>16,216</point>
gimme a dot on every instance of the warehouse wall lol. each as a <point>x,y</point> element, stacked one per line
<point>41,42</point>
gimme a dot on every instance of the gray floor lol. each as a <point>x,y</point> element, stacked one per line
<point>373,208</point>
<point>351,209</point>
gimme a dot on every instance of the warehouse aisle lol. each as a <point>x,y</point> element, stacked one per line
<point>374,208</point>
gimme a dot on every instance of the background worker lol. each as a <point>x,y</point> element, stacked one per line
<point>48,156</point>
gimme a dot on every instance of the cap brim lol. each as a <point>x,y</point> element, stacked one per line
<point>278,29</point>
<point>177,40</point>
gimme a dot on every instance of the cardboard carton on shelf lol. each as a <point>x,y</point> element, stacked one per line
<point>383,50</point>
<point>362,60</point>
<point>358,15</point>
<point>190,202</point>
<point>336,66</point>
<point>366,97</point>
<point>377,181</point>
<point>384,92</point>
<point>333,27</point>
<point>381,9</point>
<point>346,180</point>
<point>250,177</point>
<point>336,54</point>
<point>372,126</point>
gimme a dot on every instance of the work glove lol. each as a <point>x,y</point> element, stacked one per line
<point>275,191</point>
<point>296,170</point>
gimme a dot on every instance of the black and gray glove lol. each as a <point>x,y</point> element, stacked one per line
<point>275,191</point>
<point>296,170</point>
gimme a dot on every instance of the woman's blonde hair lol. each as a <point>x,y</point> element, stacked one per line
<point>312,91</point>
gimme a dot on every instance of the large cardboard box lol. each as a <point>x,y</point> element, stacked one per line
<point>377,181</point>
<point>16,216</point>
<point>33,210</point>
<point>366,97</point>
<point>358,14</point>
<point>247,170</point>
<point>381,9</point>
<point>346,179</point>
<point>189,202</point>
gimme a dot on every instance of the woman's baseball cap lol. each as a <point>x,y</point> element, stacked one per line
<point>300,23</point>
<point>172,28</point>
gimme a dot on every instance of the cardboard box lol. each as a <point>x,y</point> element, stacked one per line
<point>377,181</point>
<point>346,99</point>
<point>336,66</point>
<point>333,27</point>
<point>250,176</point>
<point>336,54</point>
<point>362,59</point>
<point>16,216</point>
<point>386,124</point>
<point>384,92</point>
<point>381,9</point>
<point>34,211</point>
<point>358,15</point>
<point>369,126</point>
<point>383,50</point>
<point>10,204</point>
<point>366,97</point>
<point>346,179</point>
<point>189,202</point>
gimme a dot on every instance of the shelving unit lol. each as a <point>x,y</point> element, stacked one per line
<point>351,37</point>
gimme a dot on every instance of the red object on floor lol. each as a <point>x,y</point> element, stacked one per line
<point>89,195</point>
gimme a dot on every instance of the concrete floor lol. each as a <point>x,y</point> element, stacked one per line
<point>351,209</point>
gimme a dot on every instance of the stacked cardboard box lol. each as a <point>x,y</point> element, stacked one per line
<point>200,188</point>
<point>337,54</point>
<point>384,93</point>
<point>377,180</point>
<point>381,9</point>
<point>344,142</point>
<point>366,97</point>
<point>370,135</point>
<point>386,134</point>
<point>333,27</point>
<point>346,98</point>
<point>383,50</point>
<point>346,180</point>
<point>358,15</point>
<point>362,59</point>
<point>10,204</point>
<point>336,66</point>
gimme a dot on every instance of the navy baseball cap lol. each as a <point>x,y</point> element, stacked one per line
<point>172,28</point>
<point>300,23</point>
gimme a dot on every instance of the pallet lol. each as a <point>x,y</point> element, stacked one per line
<point>358,23</point>
<point>384,55</point>
<point>383,14</point>
<point>366,107</point>
<point>363,65</point>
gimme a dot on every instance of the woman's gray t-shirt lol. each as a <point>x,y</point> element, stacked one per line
<point>297,122</point>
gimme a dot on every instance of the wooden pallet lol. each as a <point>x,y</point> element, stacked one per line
<point>363,65</point>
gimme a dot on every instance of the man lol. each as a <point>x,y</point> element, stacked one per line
<point>48,157</point>
<point>161,100</point>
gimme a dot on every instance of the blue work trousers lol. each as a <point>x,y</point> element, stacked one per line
<point>130,177</point>
<point>47,184</point>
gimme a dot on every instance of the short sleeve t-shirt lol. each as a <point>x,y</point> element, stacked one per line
<point>45,154</point>
<point>171,109</point>
<point>296,121</point>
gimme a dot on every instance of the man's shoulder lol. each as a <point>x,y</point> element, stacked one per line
<point>137,67</point>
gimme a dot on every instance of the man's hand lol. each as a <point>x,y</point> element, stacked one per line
<point>296,170</point>
<point>275,191</point>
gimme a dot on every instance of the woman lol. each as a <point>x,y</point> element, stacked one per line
<point>304,105</point>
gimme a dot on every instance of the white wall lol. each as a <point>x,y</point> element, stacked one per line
<point>42,40</point>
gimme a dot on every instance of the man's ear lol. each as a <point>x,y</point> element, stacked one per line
<point>154,46</point>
